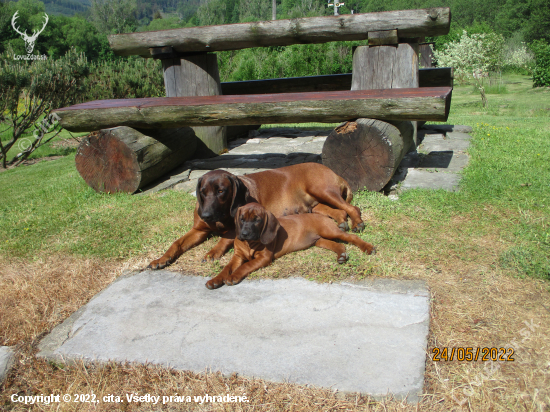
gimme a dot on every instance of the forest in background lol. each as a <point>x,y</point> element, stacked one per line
<point>85,24</point>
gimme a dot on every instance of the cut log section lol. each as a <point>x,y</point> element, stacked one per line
<point>123,159</point>
<point>409,23</point>
<point>366,152</point>
<point>428,103</point>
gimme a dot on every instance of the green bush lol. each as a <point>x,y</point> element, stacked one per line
<point>133,77</point>
<point>541,73</point>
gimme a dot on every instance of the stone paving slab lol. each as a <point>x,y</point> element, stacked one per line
<point>423,179</point>
<point>443,149</point>
<point>368,337</point>
<point>7,357</point>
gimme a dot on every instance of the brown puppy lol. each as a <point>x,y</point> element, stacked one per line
<point>302,188</point>
<point>260,238</point>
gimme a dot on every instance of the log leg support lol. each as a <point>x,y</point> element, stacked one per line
<point>366,152</point>
<point>123,159</point>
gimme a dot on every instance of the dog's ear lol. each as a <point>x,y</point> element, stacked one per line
<point>271,226</point>
<point>198,193</point>
<point>240,192</point>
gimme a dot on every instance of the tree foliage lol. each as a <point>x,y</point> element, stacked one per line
<point>541,73</point>
<point>29,92</point>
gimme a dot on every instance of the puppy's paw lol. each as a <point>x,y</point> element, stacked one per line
<point>371,251</point>
<point>359,228</point>
<point>343,258</point>
<point>344,227</point>
<point>159,263</point>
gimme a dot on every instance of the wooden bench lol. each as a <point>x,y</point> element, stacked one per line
<point>383,86</point>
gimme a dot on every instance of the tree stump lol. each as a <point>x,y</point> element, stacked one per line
<point>123,159</point>
<point>366,152</point>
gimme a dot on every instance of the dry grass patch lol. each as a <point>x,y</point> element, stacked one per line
<point>472,306</point>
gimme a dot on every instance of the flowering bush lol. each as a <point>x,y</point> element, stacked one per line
<point>472,57</point>
<point>518,58</point>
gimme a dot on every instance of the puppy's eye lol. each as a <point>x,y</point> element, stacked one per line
<point>220,191</point>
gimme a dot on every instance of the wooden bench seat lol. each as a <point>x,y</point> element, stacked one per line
<point>429,103</point>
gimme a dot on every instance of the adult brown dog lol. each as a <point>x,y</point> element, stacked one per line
<point>261,238</point>
<point>301,188</point>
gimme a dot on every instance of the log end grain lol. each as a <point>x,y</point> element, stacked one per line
<point>107,164</point>
<point>365,152</point>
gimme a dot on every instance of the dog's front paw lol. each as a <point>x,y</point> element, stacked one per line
<point>159,263</point>
<point>215,283</point>
<point>232,280</point>
<point>212,255</point>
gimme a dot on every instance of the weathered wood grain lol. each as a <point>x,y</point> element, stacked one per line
<point>123,159</point>
<point>197,75</point>
<point>325,107</point>
<point>408,23</point>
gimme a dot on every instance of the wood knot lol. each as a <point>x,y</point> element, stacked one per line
<point>348,127</point>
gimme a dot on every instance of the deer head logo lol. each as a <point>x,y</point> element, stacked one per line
<point>29,40</point>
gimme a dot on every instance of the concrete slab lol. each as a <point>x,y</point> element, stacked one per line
<point>368,337</point>
<point>7,357</point>
<point>442,143</point>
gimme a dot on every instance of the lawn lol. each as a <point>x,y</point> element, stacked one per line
<point>483,251</point>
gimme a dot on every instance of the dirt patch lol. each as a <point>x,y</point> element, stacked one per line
<point>66,143</point>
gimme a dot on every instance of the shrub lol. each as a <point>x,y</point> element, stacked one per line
<point>29,92</point>
<point>473,57</point>
<point>541,73</point>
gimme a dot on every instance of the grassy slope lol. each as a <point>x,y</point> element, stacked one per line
<point>47,208</point>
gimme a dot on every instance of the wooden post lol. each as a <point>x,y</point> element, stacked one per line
<point>196,75</point>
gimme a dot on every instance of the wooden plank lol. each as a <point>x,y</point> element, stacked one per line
<point>324,107</point>
<point>429,77</point>
<point>408,23</point>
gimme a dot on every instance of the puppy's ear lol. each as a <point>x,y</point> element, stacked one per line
<point>240,192</point>
<point>271,226</point>
<point>198,193</point>
<point>238,223</point>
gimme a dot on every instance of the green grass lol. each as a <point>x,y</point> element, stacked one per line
<point>499,218</point>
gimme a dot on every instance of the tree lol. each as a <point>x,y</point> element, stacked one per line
<point>473,57</point>
<point>211,12</point>
<point>29,92</point>
<point>114,16</point>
